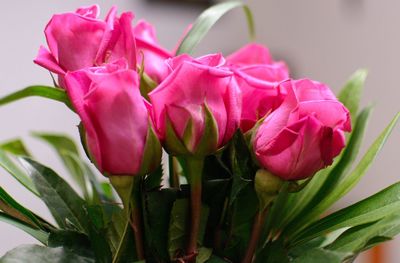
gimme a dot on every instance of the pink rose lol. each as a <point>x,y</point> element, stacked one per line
<point>114,115</point>
<point>258,77</point>
<point>152,54</point>
<point>251,54</point>
<point>197,107</point>
<point>304,134</point>
<point>79,40</point>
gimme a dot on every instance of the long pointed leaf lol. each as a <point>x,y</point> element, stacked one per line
<point>350,95</point>
<point>38,91</point>
<point>40,235</point>
<point>67,151</point>
<point>207,19</point>
<point>348,182</point>
<point>371,209</point>
<point>35,253</point>
<point>326,181</point>
<point>9,165</point>
<point>358,238</point>
<point>63,202</point>
<point>16,147</point>
<point>12,207</point>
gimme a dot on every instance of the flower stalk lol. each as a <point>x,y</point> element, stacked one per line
<point>267,187</point>
<point>128,189</point>
<point>194,169</point>
<point>255,235</point>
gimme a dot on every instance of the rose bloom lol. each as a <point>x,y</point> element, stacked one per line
<point>197,107</point>
<point>115,116</point>
<point>79,39</point>
<point>258,76</point>
<point>304,134</point>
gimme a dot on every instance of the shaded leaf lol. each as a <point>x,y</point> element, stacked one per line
<point>97,234</point>
<point>349,181</point>
<point>205,22</point>
<point>37,233</point>
<point>350,95</point>
<point>63,202</point>
<point>273,252</point>
<point>69,155</point>
<point>327,180</point>
<point>178,233</point>
<point>13,208</point>
<point>203,255</point>
<point>318,255</point>
<point>16,147</point>
<point>368,210</point>
<point>361,237</point>
<point>9,165</point>
<point>120,238</point>
<point>35,253</point>
<point>157,210</point>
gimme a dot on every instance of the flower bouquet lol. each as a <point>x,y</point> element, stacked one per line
<point>253,159</point>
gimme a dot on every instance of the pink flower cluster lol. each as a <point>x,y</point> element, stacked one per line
<point>298,125</point>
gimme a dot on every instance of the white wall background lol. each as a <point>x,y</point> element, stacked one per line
<point>324,40</point>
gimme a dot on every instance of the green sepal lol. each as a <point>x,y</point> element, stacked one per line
<point>209,141</point>
<point>152,152</point>
<point>123,184</point>
<point>267,187</point>
<point>173,144</point>
<point>146,84</point>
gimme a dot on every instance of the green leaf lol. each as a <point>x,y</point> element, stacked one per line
<point>359,238</point>
<point>178,232</point>
<point>327,180</point>
<point>97,234</point>
<point>242,165</point>
<point>15,147</point>
<point>154,179</point>
<point>59,142</point>
<point>215,259</point>
<point>63,202</point>
<point>349,181</point>
<point>205,22</point>
<point>9,165</point>
<point>69,155</point>
<point>350,95</point>
<point>240,222</point>
<point>318,255</point>
<point>203,255</point>
<point>35,253</point>
<point>39,91</point>
<point>11,207</point>
<point>37,233</point>
<point>69,239</point>
<point>121,239</point>
<point>157,210</point>
<point>273,252</point>
<point>74,241</point>
<point>368,210</point>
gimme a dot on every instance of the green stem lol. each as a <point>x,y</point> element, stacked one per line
<point>255,235</point>
<point>129,190</point>
<point>194,169</point>
<point>173,172</point>
<point>136,217</point>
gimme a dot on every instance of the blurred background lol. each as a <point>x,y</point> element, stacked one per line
<point>323,40</point>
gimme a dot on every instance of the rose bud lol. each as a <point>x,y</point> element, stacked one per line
<point>79,40</point>
<point>197,107</point>
<point>119,132</point>
<point>150,52</point>
<point>304,134</point>
<point>258,77</point>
